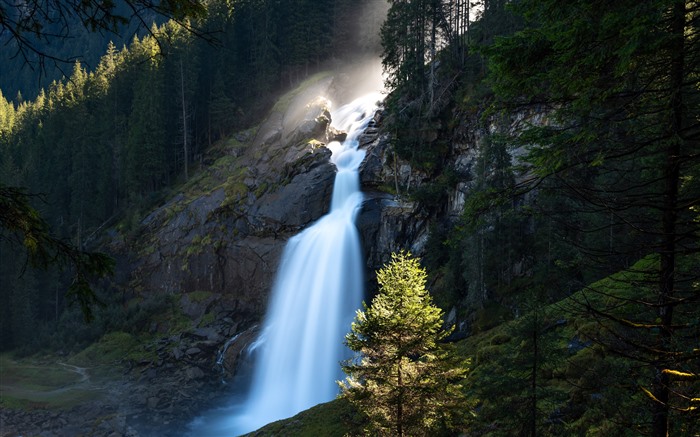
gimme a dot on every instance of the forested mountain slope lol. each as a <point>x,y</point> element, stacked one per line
<point>541,157</point>
<point>102,147</point>
<point>191,285</point>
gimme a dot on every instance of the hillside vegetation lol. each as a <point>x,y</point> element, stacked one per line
<point>541,157</point>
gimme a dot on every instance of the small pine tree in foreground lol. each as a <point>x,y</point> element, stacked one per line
<point>404,379</point>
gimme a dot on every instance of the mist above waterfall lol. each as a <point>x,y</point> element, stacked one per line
<point>353,72</point>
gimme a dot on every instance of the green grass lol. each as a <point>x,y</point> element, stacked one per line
<point>332,419</point>
<point>199,295</point>
<point>35,375</point>
<point>114,348</point>
<point>38,383</point>
<point>50,382</point>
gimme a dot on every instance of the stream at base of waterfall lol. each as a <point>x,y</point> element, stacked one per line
<point>318,288</point>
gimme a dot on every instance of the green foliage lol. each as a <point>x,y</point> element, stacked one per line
<point>433,194</point>
<point>22,225</point>
<point>617,80</point>
<point>43,39</point>
<point>547,368</point>
<point>404,380</point>
<point>198,245</point>
<point>484,261</point>
<point>486,257</point>
<point>112,348</point>
<point>199,295</point>
<point>606,98</point>
<point>337,418</point>
<point>575,385</point>
<point>434,69</point>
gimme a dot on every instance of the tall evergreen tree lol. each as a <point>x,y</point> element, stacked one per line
<point>7,117</point>
<point>404,380</point>
<point>146,147</point>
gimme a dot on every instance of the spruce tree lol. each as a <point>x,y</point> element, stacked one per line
<point>404,380</point>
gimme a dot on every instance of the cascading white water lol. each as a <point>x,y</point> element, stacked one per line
<point>318,287</point>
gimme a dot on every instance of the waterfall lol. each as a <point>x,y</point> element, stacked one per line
<point>319,286</point>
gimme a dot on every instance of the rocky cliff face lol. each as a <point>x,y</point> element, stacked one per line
<point>213,250</point>
<point>393,220</point>
<point>223,235</point>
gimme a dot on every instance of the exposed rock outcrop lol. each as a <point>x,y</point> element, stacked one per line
<point>392,219</point>
<point>225,233</point>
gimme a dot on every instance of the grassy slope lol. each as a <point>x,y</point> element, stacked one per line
<point>332,419</point>
<point>40,383</point>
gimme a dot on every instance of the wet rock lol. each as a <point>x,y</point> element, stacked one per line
<point>334,135</point>
<point>234,349</point>
<point>305,199</point>
<point>373,167</point>
<point>387,224</point>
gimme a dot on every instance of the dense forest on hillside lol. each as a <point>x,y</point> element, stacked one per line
<point>100,145</point>
<point>574,263</point>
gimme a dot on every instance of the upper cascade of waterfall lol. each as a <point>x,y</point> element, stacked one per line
<point>352,118</point>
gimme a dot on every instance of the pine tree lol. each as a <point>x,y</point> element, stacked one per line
<point>404,379</point>
<point>7,117</point>
<point>145,165</point>
<point>179,74</point>
<point>221,108</point>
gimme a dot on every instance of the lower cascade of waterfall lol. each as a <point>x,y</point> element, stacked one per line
<point>319,286</point>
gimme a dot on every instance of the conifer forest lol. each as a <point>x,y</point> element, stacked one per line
<point>335,217</point>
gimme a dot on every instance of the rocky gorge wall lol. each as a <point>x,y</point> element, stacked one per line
<point>392,219</point>
<point>215,247</point>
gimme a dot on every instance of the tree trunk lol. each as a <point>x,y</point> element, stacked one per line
<point>433,32</point>
<point>184,120</point>
<point>533,380</point>
<point>399,405</point>
<point>660,386</point>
